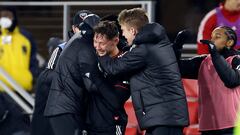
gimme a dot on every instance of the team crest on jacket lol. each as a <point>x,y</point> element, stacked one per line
<point>82,15</point>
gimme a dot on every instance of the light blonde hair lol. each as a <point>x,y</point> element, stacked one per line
<point>135,17</point>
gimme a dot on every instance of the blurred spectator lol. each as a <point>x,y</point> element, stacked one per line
<point>53,43</point>
<point>17,50</point>
<point>227,14</point>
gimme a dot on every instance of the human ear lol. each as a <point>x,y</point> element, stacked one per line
<point>230,43</point>
<point>133,31</point>
<point>116,39</point>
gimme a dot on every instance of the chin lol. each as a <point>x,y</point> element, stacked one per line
<point>129,43</point>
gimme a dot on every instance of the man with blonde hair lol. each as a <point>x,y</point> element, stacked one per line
<point>156,88</point>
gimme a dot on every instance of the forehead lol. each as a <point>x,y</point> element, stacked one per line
<point>124,26</point>
<point>220,31</point>
<point>98,36</point>
<point>6,13</point>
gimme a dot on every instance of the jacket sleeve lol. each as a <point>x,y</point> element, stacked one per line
<point>189,67</point>
<point>129,62</point>
<point>52,62</point>
<point>230,75</point>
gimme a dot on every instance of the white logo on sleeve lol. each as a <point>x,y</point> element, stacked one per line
<point>238,67</point>
<point>87,75</point>
<point>133,46</point>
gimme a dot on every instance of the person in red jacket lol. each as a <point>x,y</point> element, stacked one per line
<point>227,14</point>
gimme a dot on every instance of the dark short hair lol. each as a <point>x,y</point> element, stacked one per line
<point>108,28</point>
<point>231,34</point>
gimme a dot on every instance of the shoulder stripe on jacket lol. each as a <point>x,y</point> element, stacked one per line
<point>51,61</point>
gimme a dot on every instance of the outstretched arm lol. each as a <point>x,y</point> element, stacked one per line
<point>229,74</point>
<point>129,62</point>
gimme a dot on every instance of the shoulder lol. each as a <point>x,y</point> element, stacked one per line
<point>54,58</point>
<point>207,24</point>
<point>209,18</point>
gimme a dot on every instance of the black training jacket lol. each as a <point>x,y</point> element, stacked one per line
<point>156,88</point>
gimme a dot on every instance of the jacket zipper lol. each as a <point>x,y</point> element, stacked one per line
<point>142,104</point>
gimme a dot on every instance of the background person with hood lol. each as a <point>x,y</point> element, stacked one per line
<point>17,49</point>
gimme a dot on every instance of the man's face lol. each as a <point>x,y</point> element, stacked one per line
<point>129,33</point>
<point>219,38</point>
<point>104,45</point>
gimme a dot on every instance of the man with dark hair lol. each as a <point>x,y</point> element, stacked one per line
<point>109,117</point>
<point>67,101</point>
<point>156,88</point>
<point>122,40</point>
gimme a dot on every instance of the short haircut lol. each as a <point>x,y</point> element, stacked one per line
<point>135,17</point>
<point>107,28</point>
<point>231,34</point>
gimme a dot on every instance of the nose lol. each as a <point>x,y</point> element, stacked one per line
<point>97,46</point>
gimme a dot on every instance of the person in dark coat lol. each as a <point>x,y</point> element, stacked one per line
<point>106,114</point>
<point>157,92</point>
<point>40,125</point>
<point>67,100</point>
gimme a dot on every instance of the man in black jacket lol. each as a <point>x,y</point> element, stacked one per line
<point>67,100</point>
<point>106,114</point>
<point>156,88</point>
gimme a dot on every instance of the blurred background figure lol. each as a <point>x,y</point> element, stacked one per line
<point>53,43</point>
<point>17,49</point>
<point>18,59</point>
<point>226,14</point>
